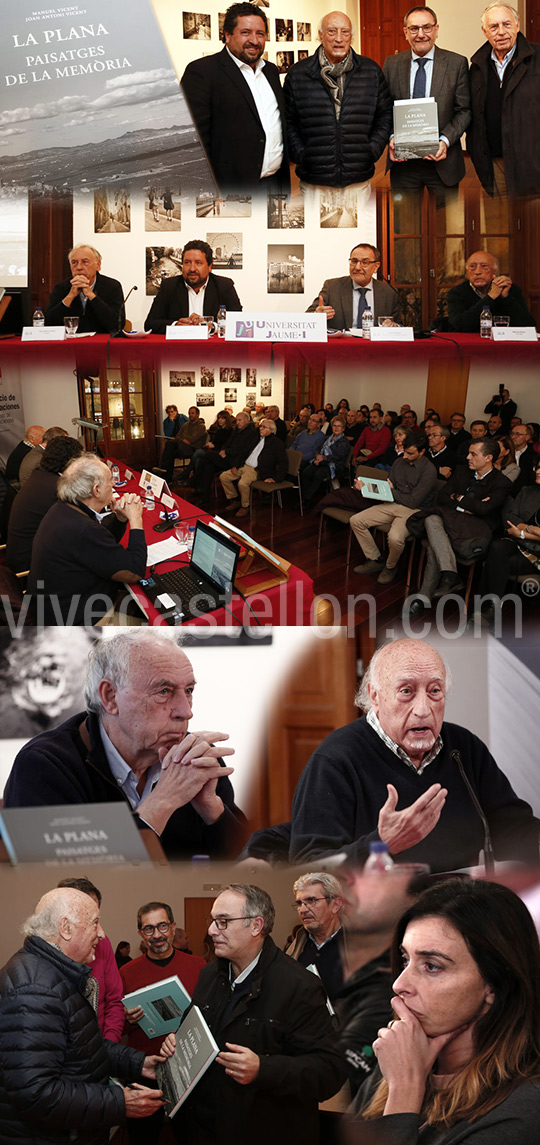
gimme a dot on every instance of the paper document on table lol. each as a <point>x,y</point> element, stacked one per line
<point>165,551</point>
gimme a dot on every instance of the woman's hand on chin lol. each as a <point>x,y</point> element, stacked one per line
<point>406,1056</point>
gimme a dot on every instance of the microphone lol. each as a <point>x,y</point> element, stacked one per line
<point>167,523</point>
<point>130,292</point>
<point>489,862</point>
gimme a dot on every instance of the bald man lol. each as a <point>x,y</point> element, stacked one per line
<point>32,438</point>
<point>56,1065</point>
<point>338,111</point>
<point>485,286</point>
<point>392,776</point>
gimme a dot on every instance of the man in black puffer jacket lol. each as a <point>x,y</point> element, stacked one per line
<point>55,1064</point>
<point>338,108</point>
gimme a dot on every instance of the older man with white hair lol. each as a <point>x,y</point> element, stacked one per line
<point>318,942</point>
<point>398,775</point>
<point>76,554</point>
<point>133,745</point>
<point>97,301</point>
<point>55,1065</point>
<point>504,136</point>
<point>485,286</point>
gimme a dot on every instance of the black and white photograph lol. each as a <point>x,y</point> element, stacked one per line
<point>302,54</point>
<point>112,210</point>
<point>227,248</point>
<point>181,378</point>
<point>266,387</point>
<point>285,212</point>
<point>229,206</point>
<point>205,399</point>
<point>230,395</point>
<point>251,377</point>
<point>162,209</point>
<point>303,31</point>
<point>196,25</point>
<point>339,207</point>
<point>230,376</point>
<point>284,31</point>
<point>284,62</point>
<point>161,262</point>
<point>285,269</point>
<point>251,401</point>
<point>207,375</point>
<point>41,678</point>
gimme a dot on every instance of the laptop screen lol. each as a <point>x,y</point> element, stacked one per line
<point>215,556</point>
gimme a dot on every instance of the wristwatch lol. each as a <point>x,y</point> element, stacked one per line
<point>522,535</point>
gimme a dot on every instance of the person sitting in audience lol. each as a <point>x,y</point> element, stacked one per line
<point>374,439</point>
<point>353,430</point>
<point>310,441</point>
<point>218,434</point>
<point>517,553</point>
<point>479,430</point>
<point>173,421</point>
<point>468,512</point>
<point>190,436</point>
<point>35,499</point>
<point>485,286</point>
<point>329,463</point>
<point>266,462</point>
<point>457,433</point>
<point>395,449</point>
<point>409,420</point>
<point>299,423</point>
<point>31,460</point>
<point>460,1064</point>
<point>439,453</point>
<point>526,455</point>
<point>506,461</point>
<point>391,419</point>
<point>76,555</point>
<point>32,437</point>
<point>97,301</point>
<point>495,426</point>
<point>281,428</point>
<point>534,427</point>
<point>232,456</point>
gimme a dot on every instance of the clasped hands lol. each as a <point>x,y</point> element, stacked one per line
<point>189,774</point>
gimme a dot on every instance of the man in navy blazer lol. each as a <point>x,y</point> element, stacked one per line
<point>187,297</point>
<point>446,79</point>
<point>237,104</point>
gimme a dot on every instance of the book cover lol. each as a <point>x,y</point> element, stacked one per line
<point>163,1003</point>
<point>376,488</point>
<point>416,128</point>
<point>85,833</point>
<point>196,1049</point>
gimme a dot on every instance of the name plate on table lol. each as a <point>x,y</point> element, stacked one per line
<point>42,334</point>
<point>267,326</point>
<point>156,483</point>
<point>392,334</point>
<point>514,334</point>
<point>187,333</point>
<point>82,833</point>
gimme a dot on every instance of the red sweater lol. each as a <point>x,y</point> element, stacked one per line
<point>377,440</point>
<point>144,972</point>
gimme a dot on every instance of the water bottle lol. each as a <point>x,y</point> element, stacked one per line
<point>221,319</point>
<point>367,323</point>
<point>486,322</point>
<point>190,537</point>
<point>115,474</point>
<point>38,317</point>
<point>379,862</point>
<point>149,501</point>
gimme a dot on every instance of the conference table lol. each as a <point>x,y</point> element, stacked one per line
<point>289,603</point>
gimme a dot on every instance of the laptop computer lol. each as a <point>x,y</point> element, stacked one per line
<point>207,583</point>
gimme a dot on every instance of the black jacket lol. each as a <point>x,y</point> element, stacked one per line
<point>335,152</point>
<point>105,314</point>
<point>465,307</point>
<point>283,1018</point>
<point>27,512</point>
<point>240,444</point>
<point>172,301</point>
<point>57,767</point>
<point>272,460</point>
<point>54,1062</point>
<point>362,1007</point>
<point>483,498</point>
<point>520,120</point>
<point>226,117</point>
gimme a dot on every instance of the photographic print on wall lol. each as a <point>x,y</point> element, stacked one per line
<point>285,269</point>
<point>161,262</point>
<point>112,210</point>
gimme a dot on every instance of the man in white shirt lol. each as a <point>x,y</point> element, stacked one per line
<point>186,298</point>
<point>236,100</point>
<point>344,300</point>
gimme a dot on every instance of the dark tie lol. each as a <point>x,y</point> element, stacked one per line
<point>419,89</point>
<point>362,305</point>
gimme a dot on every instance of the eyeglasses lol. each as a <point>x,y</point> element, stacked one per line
<point>309,901</point>
<point>162,927</point>
<point>222,923</point>
<point>415,29</point>
<point>362,261</point>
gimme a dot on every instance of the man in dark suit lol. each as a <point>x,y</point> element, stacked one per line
<point>485,286</point>
<point>526,456</point>
<point>97,301</point>
<point>237,104</point>
<point>422,72</point>
<point>344,300</point>
<point>185,298</point>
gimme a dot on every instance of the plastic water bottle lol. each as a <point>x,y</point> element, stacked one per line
<point>190,537</point>
<point>367,323</point>
<point>486,322</point>
<point>115,474</point>
<point>149,501</point>
<point>221,320</point>
<point>379,862</point>
<point>38,317</point>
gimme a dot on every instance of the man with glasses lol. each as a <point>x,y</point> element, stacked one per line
<point>278,1056</point>
<point>439,453</point>
<point>156,926</point>
<point>344,300</point>
<point>428,71</point>
<point>485,286</point>
<point>318,942</point>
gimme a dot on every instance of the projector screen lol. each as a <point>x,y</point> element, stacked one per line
<point>13,240</point>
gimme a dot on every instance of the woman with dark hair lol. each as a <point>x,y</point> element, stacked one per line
<point>534,427</point>
<point>122,954</point>
<point>391,418</point>
<point>506,461</point>
<point>218,434</point>
<point>460,1062</point>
